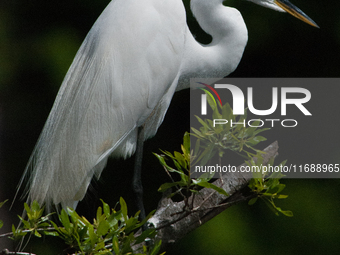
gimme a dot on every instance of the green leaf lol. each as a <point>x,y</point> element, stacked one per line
<point>170,169</point>
<point>180,159</point>
<point>287,213</point>
<point>216,114</point>
<point>35,206</point>
<point>156,248</point>
<point>99,213</point>
<point>186,142</point>
<point>283,163</point>
<point>267,194</point>
<point>256,140</point>
<point>252,201</point>
<point>161,159</point>
<point>1,223</point>
<point>113,219</point>
<point>270,205</point>
<point>203,123</point>
<point>115,245</point>
<point>198,134</point>
<point>37,234</point>
<point>83,232</point>
<point>227,112</point>
<point>51,233</point>
<point>123,208</point>
<point>64,219</point>
<point>146,234</point>
<point>207,154</point>
<point>42,225</point>
<point>92,235</point>
<point>250,130</point>
<point>28,210</point>
<point>280,187</point>
<point>106,208</point>
<point>75,218</point>
<point>103,228</point>
<point>209,185</point>
<point>167,153</point>
<point>282,196</point>
<point>2,203</point>
<point>276,209</point>
<point>272,183</point>
<point>99,246</point>
<point>168,185</point>
<point>276,175</point>
<point>146,219</point>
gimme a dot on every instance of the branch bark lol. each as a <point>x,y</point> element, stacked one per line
<point>173,222</point>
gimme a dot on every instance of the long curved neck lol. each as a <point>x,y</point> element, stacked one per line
<point>223,54</point>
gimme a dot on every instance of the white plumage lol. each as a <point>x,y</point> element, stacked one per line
<point>124,76</point>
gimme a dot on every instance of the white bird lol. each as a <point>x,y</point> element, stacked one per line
<point>123,77</point>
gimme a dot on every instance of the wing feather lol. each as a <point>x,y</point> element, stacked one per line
<point>123,76</point>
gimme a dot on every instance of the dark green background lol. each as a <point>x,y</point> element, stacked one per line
<point>38,40</point>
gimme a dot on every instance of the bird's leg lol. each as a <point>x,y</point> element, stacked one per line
<point>137,174</point>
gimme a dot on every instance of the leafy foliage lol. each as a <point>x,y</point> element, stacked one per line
<point>267,187</point>
<point>215,139</point>
<point>182,162</point>
<point>218,138</point>
<point>111,231</point>
<point>36,224</point>
<point>211,140</point>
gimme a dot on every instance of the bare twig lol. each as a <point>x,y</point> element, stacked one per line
<point>5,252</point>
<point>27,231</point>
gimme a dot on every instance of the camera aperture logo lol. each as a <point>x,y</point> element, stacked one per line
<point>302,96</point>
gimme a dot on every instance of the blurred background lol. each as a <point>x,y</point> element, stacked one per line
<point>38,40</point>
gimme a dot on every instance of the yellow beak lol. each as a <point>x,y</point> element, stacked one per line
<point>295,11</point>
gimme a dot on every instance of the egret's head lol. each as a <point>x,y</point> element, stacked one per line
<point>285,5</point>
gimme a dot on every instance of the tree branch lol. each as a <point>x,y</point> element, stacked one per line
<point>173,220</point>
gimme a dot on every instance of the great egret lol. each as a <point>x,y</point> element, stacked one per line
<point>122,80</point>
